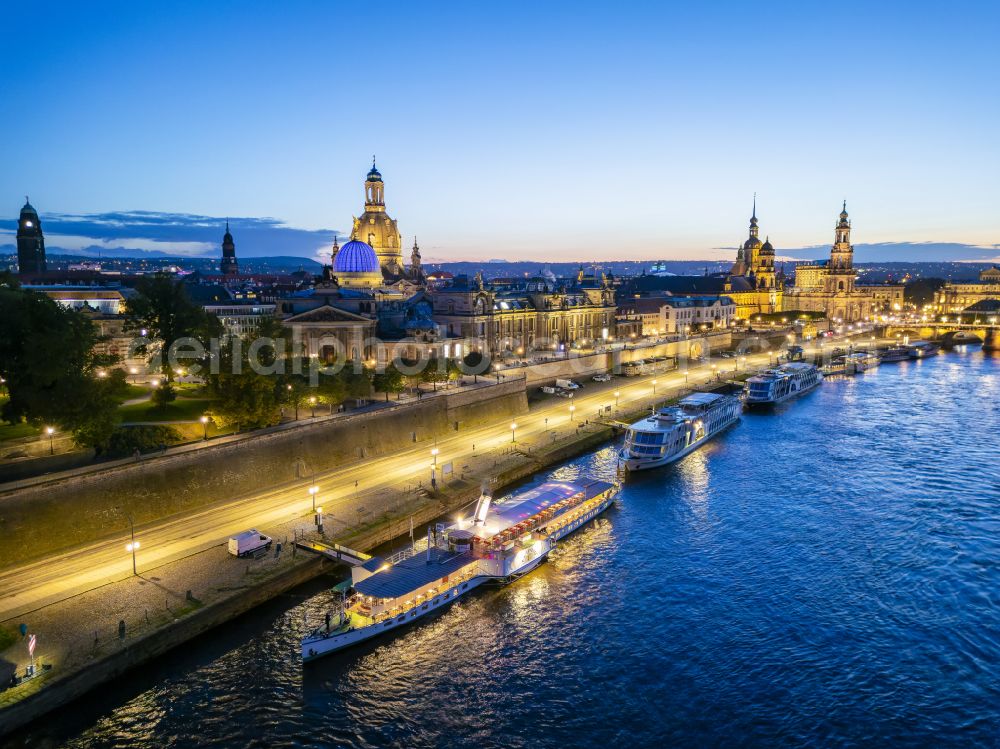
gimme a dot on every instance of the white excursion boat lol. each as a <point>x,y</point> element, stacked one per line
<point>779,384</point>
<point>861,361</point>
<point>673,432</point>
<point>896,353</point>
<point>500,542</point>
<point>923,349</point>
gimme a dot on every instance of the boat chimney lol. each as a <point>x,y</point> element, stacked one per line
<point>482,507</point>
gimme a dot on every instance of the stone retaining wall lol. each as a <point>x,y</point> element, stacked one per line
<point>72,510</point>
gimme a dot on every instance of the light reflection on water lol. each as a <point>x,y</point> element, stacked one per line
<point>824,574</point>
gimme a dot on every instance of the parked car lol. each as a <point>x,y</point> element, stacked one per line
<point>548,390</point>
<point>564,393</point>
<point>601,377</point>
<point>567,384</point>
<point>248,543</point>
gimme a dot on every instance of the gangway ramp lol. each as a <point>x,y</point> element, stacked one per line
<point>335,552</point>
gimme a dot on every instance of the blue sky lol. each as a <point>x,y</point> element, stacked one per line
<point>574,130</point>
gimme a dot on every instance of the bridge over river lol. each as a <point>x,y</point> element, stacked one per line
<point>986,332</point>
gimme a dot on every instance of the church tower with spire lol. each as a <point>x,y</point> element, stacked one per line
<point>416,268</point>
<point>30,242</point>
<point>377,229</point>
<point>841,266</point>
<point>229,265</point>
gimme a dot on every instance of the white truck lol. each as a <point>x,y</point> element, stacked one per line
<point>566,384</point>
<point>248,543</point>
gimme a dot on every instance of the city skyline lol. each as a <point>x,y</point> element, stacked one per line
<point>607,139</point>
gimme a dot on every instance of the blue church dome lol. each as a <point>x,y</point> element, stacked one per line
<point>356,257</point>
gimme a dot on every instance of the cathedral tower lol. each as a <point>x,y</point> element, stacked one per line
<point>30,242</point>
<point>416,268</point>
<point>229,265</point>
<point>377,229</point>
<point>841,265</point>
<point>751,248</point>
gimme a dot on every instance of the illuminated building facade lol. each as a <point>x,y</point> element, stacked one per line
<point>542,313</point>
<point>829,286</point>
<point>956,296</point>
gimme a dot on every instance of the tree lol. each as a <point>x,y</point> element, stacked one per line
<point>390,380</point>
<point>50,369</point>
<point>246,400</point>
<point>161,307</point>
<point>435,371</point>
<point>358,380</point>
<point>163,395</point>
<point>242,397</point>
<point>333,388</point>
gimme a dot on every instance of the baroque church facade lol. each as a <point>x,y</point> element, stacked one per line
<point>829,286</point>
<point>752,282</point>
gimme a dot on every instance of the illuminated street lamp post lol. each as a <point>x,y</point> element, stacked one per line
<point>513,427</point>
<point>313,490</point>
<point>312,402</point>
<point>715,374</point>
<point>654,386</point>
<point>434,454</point>
<point>132,546</point>
<point>572,408</point>
<point>50,431</point>
<point>204,424</point>
<point>616,398</point>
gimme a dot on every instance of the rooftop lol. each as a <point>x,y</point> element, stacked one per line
<point>411,574</point>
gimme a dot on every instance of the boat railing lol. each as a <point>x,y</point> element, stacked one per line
<point>415,548</point>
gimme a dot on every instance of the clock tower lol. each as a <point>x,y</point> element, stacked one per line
<point>30,242</point>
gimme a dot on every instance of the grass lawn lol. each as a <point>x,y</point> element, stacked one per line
<point>135,391</point>
<point>182,409</point>
<point>16,431</point>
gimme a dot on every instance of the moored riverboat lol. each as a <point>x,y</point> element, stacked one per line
<point>781,383</point>
<point>671,433</point>
<point>499,543</point>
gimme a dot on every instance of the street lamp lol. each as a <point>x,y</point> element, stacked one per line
<point>434,454</point>
<point>616,398</point>
<point>572,408</point>
<point>312,493</point>
<point>50,431</point>
<point>714,373</point>
<point>132,547</point>
<point>654,386</point>
<point>513,426</point>
<point>312,402</point>
<point>204,424</point>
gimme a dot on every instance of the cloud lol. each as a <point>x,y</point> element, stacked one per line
<point>895,252</point>
<point>150,233</point>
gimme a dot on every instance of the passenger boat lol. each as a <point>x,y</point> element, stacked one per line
<point>777,385</point>
<point>923,349</point>
<point>861,361</point>
<point>671,433</point>
<point>896,353</point>
<point>500,542</point>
